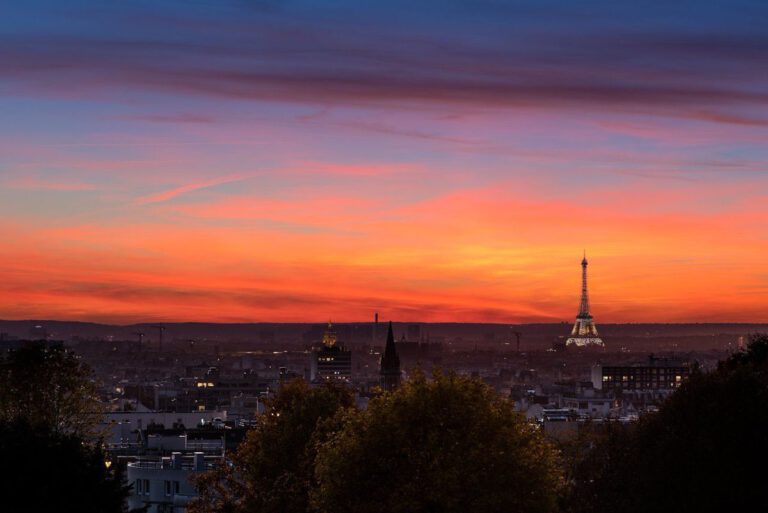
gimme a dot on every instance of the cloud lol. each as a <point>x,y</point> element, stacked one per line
<point>380,128</point>
<point>170,118</point>
<point>683,75</point>
<point>169,194</point>
<point>723,117</point>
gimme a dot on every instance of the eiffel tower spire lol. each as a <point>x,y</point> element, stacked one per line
<point>584,332</point>
<point>584,305</point>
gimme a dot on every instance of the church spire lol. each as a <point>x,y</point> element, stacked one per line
<point>390,363</point>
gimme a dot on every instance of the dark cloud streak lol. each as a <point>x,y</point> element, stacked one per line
<point>680,74</point>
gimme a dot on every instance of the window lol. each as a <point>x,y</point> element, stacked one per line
<point>138,487</point>
<point>146,487</point>
<point>175,487</point>
<point>167,488</point>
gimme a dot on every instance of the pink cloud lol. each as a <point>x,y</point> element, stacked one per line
<point>190,187</point>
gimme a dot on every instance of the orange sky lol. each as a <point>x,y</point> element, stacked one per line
<point>496,254</point>
<point>431,163</point>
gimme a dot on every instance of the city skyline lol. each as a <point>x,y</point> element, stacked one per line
<point>284,162</point>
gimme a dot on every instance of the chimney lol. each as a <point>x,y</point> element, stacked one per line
<point>199,459</point>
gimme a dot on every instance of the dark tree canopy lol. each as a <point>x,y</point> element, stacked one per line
<point>446,445</point>
<point>272,470</point>
<point>49,386</point>
<point>703,451</point>
<point>46,471</point>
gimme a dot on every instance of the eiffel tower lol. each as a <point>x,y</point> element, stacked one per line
<point>584,332</point>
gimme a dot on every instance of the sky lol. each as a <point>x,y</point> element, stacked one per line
<point>257,161</point>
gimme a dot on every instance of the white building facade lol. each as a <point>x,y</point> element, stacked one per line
<point>164,486</point>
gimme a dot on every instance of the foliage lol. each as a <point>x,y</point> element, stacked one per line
<point>446,445</point>
<point>49,386</point>
<point>272,470</point>
<point>47,471</point>
<point>701,451</point>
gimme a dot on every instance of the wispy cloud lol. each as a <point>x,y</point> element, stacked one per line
<point>169,194</point>
<point>341,63</point>
<point>181,118</point>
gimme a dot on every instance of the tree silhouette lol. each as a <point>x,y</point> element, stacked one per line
<point>51,387</point>
<point>272,470</point>
<point>700,452</point>
<point>47,471</point>
<point>446,445</point>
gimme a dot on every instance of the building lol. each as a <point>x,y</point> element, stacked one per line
<point>164,486</point>
<point>584,332</point>
<point>390,364</point>
<point>661,374</point>
<point>121,426</point>
<point>332,362</point>
<point>422,353</point>
<point>160,471</point>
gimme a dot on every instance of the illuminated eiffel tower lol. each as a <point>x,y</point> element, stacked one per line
<point>584,332</point>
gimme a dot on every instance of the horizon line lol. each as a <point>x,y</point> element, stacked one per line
<point>325,321</point>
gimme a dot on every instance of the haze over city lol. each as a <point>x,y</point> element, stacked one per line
<point>439,161</point>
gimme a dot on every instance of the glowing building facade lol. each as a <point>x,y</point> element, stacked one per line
<point>332,362</point>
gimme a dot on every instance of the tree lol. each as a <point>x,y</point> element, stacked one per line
<point>700,452</point>
<point>272,470</point>
<point>49,386</point>
<point>446,445</point>
<point>46,471</point>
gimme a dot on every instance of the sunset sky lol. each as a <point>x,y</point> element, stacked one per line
<point>435,160</point>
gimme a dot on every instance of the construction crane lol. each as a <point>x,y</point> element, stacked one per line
<point>161,330</point>
<point>517,335</point>
<point>140,334</point>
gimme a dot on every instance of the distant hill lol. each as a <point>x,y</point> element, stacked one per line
<point>478,334</point>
